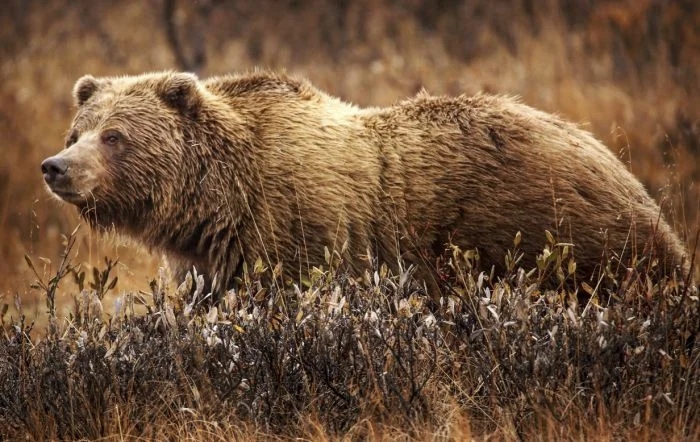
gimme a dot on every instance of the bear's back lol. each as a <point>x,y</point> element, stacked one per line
<point>261,84</point>
<point>486,167</point>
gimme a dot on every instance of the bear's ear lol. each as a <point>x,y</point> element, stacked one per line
<point>84,89</point>
<point>180,92</point>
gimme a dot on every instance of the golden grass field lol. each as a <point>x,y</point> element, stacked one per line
<point>627,70</point>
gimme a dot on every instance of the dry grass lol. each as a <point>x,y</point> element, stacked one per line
<point>626,69</point>
<point>368,357</point>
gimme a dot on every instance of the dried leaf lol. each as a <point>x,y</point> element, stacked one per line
<point>212,315</point>
<point>258,268</point>
<point>550,237</point>
<point>260,296</point>
<point>95,277</point>
<point>29,262</point>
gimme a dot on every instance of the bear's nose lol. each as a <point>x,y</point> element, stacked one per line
<point>53,168</point>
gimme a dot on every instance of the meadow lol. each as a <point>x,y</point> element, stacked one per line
<point>123,353</point>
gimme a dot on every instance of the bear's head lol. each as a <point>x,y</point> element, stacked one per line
<point>126,148</point>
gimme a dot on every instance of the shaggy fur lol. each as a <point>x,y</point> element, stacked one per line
<point>229,169</point>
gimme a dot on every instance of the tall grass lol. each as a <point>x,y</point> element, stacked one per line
<point>359,357</point>
<point>624,69</point>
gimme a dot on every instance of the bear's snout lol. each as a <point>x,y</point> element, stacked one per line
<point>54,168</point>
<point>74,172</point>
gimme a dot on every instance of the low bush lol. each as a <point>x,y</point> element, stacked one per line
<point>360,357</point>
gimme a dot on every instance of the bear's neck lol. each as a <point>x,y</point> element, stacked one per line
<point>209,203</point>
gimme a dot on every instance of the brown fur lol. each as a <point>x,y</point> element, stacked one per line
<point>234,168</point>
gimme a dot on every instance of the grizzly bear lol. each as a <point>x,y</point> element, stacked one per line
<point>233,169</point>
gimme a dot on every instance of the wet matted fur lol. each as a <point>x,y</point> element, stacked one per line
<point>234,168</point>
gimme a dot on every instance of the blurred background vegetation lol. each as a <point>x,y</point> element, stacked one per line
<point>625,69</point>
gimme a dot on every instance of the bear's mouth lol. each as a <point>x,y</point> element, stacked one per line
<point>68,195</point>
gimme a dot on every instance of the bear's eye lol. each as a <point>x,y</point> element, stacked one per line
<point>111,137</point>
<point>71,140</point>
